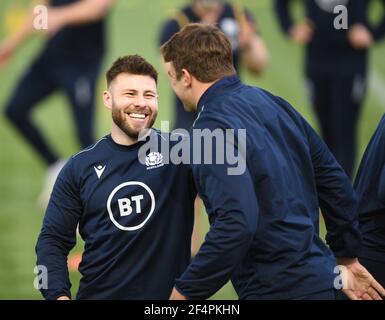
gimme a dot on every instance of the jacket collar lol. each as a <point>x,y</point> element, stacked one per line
<point>217,87</point>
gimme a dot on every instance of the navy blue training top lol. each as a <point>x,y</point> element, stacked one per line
<point>136,220</point>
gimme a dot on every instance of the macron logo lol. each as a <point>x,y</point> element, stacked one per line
<point>99,170</point>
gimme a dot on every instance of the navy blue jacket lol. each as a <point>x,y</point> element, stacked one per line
<point>370,187</point>
<point>136,220</point>
<point>264,223</point>
<point>330,49</point>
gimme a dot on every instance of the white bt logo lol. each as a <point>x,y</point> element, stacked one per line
<point>125,207</point>
<point>130,205</point>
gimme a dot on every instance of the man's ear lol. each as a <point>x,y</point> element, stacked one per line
<point>187,78</point>
<point>107,99</point>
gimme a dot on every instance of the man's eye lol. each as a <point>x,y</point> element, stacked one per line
<point>150,96</point>
<point>130,94</point>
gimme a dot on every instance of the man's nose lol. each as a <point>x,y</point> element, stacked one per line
<point>140,101</point>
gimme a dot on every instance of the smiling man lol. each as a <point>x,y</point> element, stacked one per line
<point>69,63</point>
<point>135,216</point>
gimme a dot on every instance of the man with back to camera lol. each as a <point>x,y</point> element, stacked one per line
<point>136,219</point>
<point>263,221</point>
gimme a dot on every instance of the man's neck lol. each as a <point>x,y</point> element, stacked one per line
<point>120,137</point>
<point>200,88</point>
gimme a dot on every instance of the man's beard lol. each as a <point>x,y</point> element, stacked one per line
<point>119,117</point>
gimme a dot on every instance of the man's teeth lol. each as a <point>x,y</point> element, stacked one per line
<point>137,115</point>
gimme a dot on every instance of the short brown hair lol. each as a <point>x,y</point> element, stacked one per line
<point>133,64</point>
<point>203,50</point>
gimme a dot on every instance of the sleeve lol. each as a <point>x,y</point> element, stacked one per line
<point>380,156</point>
<point>233,213</point>
<point>58,234</point>
<point>337,199</point>
<point>169,29</point>
<point>381,185</point>
<point>282,9</point>
<point>370,178</point>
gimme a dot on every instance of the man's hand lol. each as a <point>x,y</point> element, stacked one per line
<point>175,295</point>
<point>302,32</point>
<point>63,298</point>
<point>360,37</point>
<point>358,283</point>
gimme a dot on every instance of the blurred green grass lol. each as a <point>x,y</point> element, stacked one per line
<point>133,28</point>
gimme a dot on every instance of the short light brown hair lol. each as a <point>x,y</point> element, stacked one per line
<point>132,64</point>
<point>203,50</point>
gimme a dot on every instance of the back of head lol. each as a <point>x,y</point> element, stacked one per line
<point>203,50</point>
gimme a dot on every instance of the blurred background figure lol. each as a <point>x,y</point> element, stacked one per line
<point>335,66</point>
<point>237,23</point>
<point>69,61</point>
<point>249,49</point>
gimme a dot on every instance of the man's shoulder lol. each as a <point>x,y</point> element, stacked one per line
<point>237,95</point>
<point>89,151</point>
<point>235,108</point>
<point>89,156</point>
<point>159,139</point>
<point>212,116</point>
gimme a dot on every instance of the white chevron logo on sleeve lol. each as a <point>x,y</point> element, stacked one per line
<point>99,170</point>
